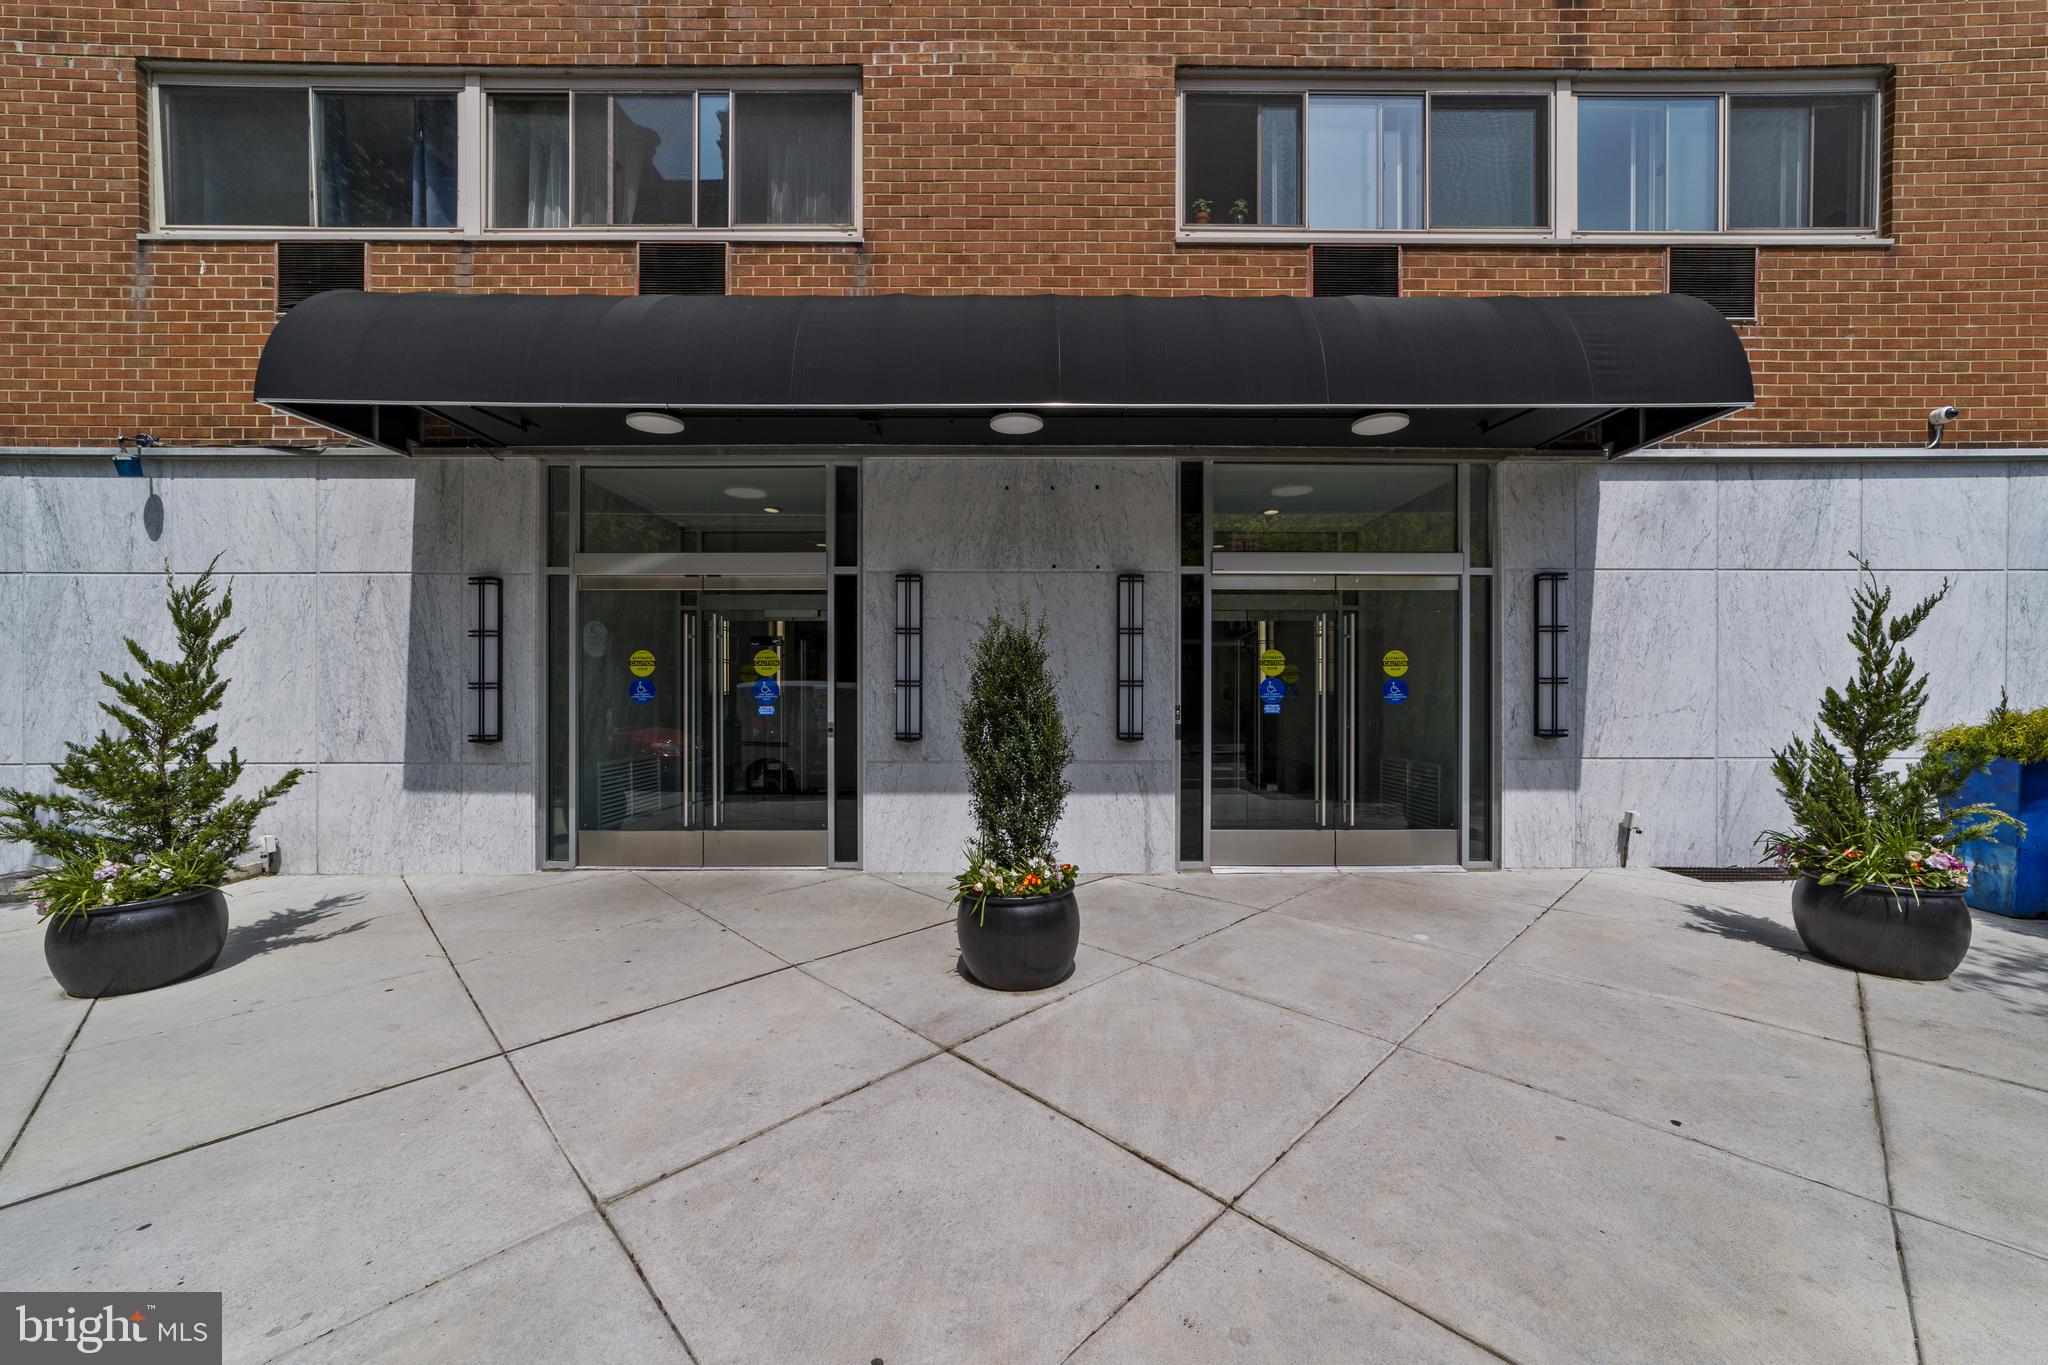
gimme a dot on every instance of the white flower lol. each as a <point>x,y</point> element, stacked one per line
<point>163,874</point>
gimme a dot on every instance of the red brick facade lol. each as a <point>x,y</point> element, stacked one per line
<point>1027,148</point>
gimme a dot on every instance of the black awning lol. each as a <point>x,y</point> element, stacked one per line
<point>1488,375</point>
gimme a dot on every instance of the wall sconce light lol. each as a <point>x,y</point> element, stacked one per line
<point>1130,656</point>
<point>489,684</point>
<point>909,656</point>
<point>1551,674</point>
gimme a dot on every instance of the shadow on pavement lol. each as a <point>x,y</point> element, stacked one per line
<point>287,929</point>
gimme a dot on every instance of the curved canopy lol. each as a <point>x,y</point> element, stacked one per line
<point>1488,374</point>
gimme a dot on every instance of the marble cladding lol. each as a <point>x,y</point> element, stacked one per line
<point>1711,603</point>
<point>348,575</point>
<point>989,533</point>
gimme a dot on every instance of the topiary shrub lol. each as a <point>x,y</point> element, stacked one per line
<point>1017,748</point>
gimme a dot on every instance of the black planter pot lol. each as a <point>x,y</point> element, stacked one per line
<point>1019,943</point>
<point>137,946</point>
<point>1918,936</point>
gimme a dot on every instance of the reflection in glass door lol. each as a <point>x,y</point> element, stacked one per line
<point>701,723</point>
<point>1335,714</point>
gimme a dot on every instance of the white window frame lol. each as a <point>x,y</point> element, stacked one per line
<point>473,88</point>
<point>1563,91</point>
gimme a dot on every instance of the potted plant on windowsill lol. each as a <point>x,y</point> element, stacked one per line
<point>1200,210</point>
<point>2005,762</point>
<point>131,860</point>
<point>1240,211</point>
<point>1880,887</point>
<point>1017,918</point>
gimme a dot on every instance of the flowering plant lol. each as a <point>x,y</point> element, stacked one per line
<point>1858,820</point>
<point>82,882</point>
<point>1033,877</point>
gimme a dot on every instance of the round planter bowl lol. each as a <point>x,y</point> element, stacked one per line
<point>1883,930</point>
<point>137,946</point>
<point>1019,943</point>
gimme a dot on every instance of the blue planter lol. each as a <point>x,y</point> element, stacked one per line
<point>2009,871</point>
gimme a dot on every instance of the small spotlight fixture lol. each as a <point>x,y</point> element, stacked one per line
<point>1270,512</point>
<point>1380,424</point>
<point>771,511</point>
<point>654,423</point>
<point>1016,423</point>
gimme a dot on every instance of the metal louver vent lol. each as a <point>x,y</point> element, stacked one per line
<point>682,267</point>
<point>1724,276</point>
<point>1357,270</point>
<point>308,268</point>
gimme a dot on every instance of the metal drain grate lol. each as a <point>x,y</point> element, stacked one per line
<point>1729,874</point>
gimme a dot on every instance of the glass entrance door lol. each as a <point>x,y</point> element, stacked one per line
<point>701,723</point>
<point>1334,714</point>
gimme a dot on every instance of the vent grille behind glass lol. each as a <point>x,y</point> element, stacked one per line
<point>682,267</point>
<point>308,268</point>
<point>1724,276</point>
<point>1357,270</point>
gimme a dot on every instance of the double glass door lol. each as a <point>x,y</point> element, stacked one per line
<point>701,708</point>
<point>1334,711</point>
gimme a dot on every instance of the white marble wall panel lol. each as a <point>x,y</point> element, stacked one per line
<point>1081,643</point>
<point>1783,643</point>
<point>13,857</point>
<point>1750,804</point>
<point>2026,536</point>
<point>1120,817</point>
<point>269,711</point>
<point>1018,513</point>
<point>11,526</point>
<point>1677,805</point>
<point>1536,514</point>
<point>1539,812</point>
<point>390,817</point>
<point>1943,515</point>
<point>2026,618</point>
<point>1788,516</point>
<point>392,668</point>
<point>1962,646</point>
<point>391,516</point>
<point>497,831</point>
<point>1650,516</point>
<point>501,503</point>
<point>77,622</point>
<point>13,658</point>
<point>914,817</point>
<point>294,821</point>
<point>77,516</point>
<point>256,516</point>
<point>1649,664</point>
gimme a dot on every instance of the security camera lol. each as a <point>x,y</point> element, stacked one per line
<point>1937,422</point>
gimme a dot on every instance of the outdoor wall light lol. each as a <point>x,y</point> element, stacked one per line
<point>489,683</point>
<point>1380,424</point>
<point>1551,674</point>
<point>1130,656</point>
<point>909,656</point>
<point>654,423</point>
<point>1016,423</point>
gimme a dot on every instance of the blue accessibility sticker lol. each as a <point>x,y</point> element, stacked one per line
<point>767,690</point>
<point>767,710</point>
<point>642,690</point>
<point>1395,691</point>
<point>1271,708</point>
<point>1271,689</point>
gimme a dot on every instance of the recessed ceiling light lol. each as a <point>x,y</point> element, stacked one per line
<point>654,423</point>
<point>744,493</point>
<point>1016,423</point>
<point>1379,424</point>
<point>1294,490</point>
<point>820,544</point>
<point>1270,512</point>
<point>771,510</point>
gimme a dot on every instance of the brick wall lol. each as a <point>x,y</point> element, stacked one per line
<point>1022,148</point>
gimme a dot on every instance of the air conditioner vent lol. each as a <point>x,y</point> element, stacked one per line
<point>1724,276</point>
<point>308,268</point>
<point>1357,270</point>
<point>682,267</point>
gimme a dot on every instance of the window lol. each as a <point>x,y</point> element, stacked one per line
<point>1800,161</point>
<point>1648,165</point>
<point>1636,152</point>
<point>264,154</point>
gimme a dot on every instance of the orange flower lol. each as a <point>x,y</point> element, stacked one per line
<point>1031,880</point>
<point>1852,853</point>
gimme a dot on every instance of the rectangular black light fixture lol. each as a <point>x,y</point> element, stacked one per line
<point>1551,674</point>
<point>489,683</point>
<point>1130,656</point>
<point>909,656</point>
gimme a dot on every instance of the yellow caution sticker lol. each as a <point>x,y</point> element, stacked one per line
<point>641,662</point>
<point>1394,662</point>
<point>1272,662</point>
<point>767,663</point>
